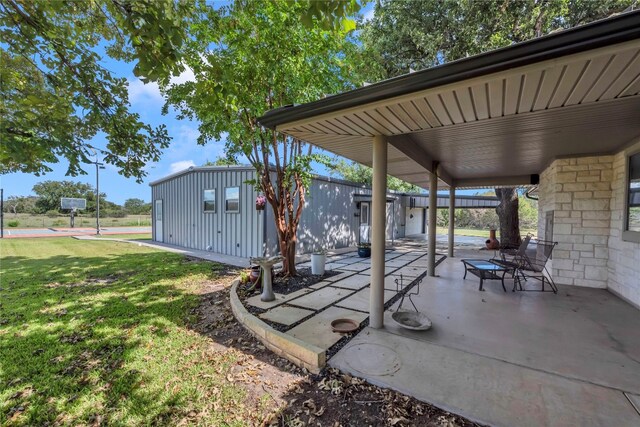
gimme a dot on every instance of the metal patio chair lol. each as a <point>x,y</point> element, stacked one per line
<point>532,264</point>
<point>509,256</point>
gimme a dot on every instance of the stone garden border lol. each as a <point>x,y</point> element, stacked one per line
<point>296,351</point>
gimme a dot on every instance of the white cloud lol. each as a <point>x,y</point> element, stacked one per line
<point>139,92</point>
<point>186,76</point>
<point>149,93</point>
<point>180,166</point>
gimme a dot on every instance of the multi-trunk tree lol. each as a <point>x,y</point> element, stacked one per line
<point>413,35</point>
<point>253,56</point>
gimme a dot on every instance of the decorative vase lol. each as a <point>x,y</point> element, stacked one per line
<point>317,264</point>
<point>492,243</point>
<point>259,207</point>
<point>364,252</point>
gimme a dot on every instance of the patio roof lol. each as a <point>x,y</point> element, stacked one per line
<point>497,118</point>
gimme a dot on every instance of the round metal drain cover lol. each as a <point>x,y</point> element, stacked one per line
<point>373,359</point>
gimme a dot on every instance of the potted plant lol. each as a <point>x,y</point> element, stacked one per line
<point>318,260</point>
<point>261,202</point>
<point>364,250</point>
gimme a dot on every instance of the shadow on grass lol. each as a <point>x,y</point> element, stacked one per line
<point>96,339</point>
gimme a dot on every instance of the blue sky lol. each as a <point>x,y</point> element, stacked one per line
<point>147,101</point>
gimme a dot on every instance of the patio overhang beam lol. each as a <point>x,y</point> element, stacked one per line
<point>408,147</point>
<point>505,181</point>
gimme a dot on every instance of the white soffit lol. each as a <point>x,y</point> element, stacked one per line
<point>498,126</point>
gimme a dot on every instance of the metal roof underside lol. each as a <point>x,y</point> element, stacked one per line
<point>492,129</point>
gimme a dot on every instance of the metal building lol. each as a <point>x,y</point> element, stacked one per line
<point>213,208</point>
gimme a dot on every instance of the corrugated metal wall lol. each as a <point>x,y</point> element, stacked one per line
<point>329,218</point>
<point>186,224</point>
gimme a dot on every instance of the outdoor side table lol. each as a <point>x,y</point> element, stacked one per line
<point>485,270</point>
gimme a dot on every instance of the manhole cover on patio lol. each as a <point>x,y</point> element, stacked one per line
<point>372,359</point>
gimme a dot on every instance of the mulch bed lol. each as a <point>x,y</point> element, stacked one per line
<point>304,279</point>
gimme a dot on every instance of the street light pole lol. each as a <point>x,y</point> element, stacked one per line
<point>98,167</point>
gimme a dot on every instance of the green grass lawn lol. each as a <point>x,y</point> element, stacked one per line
<point>97,333</point>
<point>475,233</point>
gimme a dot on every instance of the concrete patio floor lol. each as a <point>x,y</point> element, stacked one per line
<point>523,358</point>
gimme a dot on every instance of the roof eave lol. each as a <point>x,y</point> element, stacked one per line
<point>622,28</point>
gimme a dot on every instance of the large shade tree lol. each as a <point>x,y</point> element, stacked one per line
<point>57,94</point>
<point>412,35</point>
<point>253,56</point>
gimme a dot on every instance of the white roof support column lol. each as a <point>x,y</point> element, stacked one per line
<point>433,210</point>
<point>452,218</point>
<point>378,227</point>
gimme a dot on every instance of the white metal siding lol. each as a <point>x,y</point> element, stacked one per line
<point>186,224</point>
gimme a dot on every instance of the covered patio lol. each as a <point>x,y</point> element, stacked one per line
<point>523,358</point>
<point>561,112</point>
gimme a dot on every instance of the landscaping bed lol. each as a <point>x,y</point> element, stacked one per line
<point>304,279</point>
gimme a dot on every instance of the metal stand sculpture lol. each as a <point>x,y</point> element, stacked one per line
<point>416,321</point>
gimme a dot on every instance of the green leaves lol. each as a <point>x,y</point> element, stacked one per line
<point>56,95</point>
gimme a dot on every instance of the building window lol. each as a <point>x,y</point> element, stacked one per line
<point>209,200</point>
<point>633,195</point>
<point>232,199</point>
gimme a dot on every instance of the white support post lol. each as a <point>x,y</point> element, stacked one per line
<point>433,210</point>
<point>378,226</point>
<point>452,218</point>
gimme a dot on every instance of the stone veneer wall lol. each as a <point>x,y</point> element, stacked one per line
<point>624,257</point>
<point>587,196</point>
<point>579,193</point>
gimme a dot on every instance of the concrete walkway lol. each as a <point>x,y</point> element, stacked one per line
<point>205,255</point>
<point>523,358</point>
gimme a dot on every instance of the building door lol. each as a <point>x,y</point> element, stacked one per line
<point>414,221</point>
<point>365,222</point>
<point>158,220</point>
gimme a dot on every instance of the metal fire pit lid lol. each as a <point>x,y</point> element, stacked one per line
<point>412,320</point>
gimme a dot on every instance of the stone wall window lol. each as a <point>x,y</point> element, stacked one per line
<point>632,220</point>
<point>209,198</point>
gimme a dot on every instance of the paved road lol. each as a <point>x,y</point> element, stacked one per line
<point>441,239</point>
<point>66,232</point>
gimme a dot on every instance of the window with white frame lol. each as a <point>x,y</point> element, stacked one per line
<point>209,198</point>
<point>632,220</point>
<point>232,199</point>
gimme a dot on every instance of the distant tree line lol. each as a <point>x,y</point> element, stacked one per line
<point>485,219</point>
<point>48,194</point>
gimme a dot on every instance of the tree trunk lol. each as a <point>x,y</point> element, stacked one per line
<point>507,212</point>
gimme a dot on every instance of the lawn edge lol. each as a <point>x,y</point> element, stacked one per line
<point>296,351</point>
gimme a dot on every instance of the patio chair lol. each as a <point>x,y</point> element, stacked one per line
<point>509,256</point>
<point>532,264</point>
